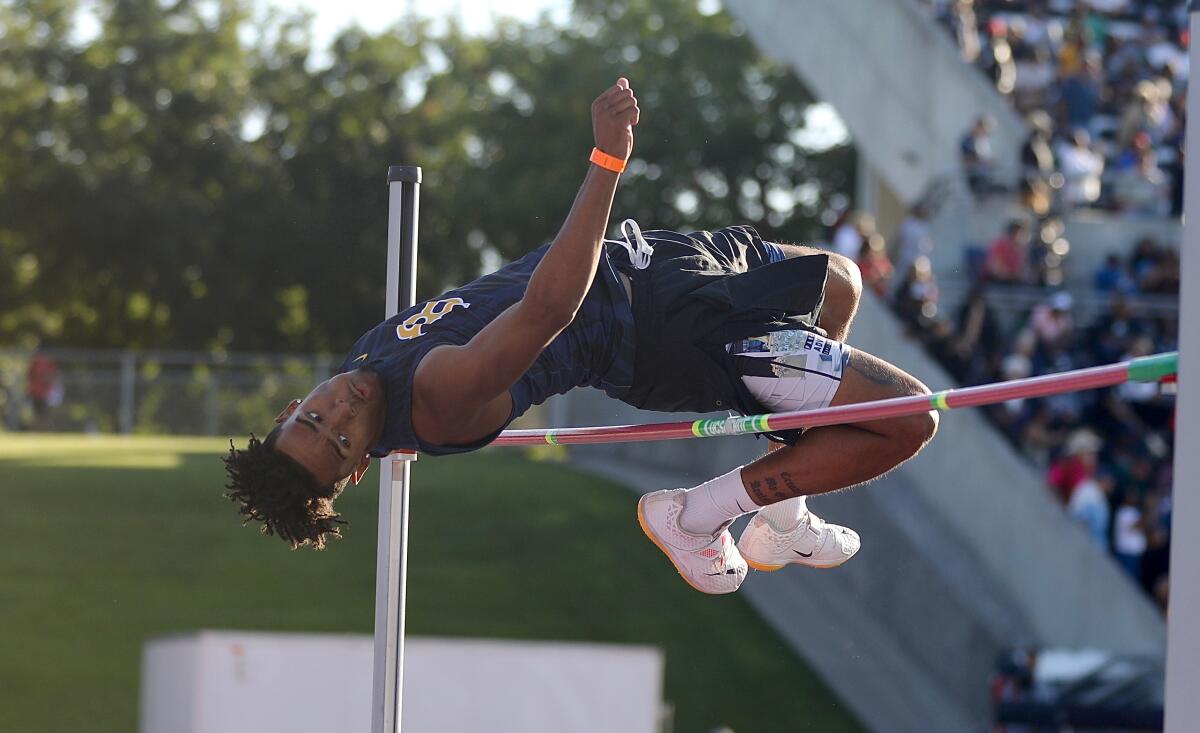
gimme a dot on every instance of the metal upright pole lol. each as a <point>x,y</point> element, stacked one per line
<point>391,563</point>
<point>1183,635</point>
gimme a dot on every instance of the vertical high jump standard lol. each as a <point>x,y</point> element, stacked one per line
<point>391,563</point>
<point>1183,617</point>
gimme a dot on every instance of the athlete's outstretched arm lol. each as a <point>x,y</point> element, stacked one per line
<point>461,392</point>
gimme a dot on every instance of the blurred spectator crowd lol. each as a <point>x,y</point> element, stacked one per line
<point>1107,453</point>
<point>1102,85</point>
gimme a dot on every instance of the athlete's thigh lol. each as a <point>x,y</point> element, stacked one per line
<point>798,370</point>
<point>866,378</point>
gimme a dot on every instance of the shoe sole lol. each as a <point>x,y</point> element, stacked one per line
<point>772,568</point>
<point>657,543</point>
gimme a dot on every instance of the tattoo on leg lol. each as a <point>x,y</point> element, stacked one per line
<point>787,479</point>
<point>876,371</point>
<point>755,489</point>
<point>773,487</point>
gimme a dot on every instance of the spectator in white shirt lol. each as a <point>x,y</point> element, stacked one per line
<point>1089,507</point>
<point>1081,168</point>
<point>1161,53</point>
<point>978,161</point>
<point>1129,538</point>
<point>849,238</point>
<point>965,27</point>
<point>915,239</point>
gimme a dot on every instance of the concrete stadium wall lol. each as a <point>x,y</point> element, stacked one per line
<point>895,78</point>
<point>964,554</point>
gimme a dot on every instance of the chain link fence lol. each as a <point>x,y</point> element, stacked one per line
<point>162,392</point>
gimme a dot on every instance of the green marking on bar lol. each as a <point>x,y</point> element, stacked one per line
<point>551,438</point>
<point>1153,368</point>
<point>725,426</point>
<point>938,400</point>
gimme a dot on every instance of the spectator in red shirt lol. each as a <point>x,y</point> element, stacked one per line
<point>1078,462</point>
<point>1008,256</point>
<point>42,386</point>
<point>875,265</point>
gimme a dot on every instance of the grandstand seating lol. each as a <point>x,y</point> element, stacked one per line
<point>1097,265</point>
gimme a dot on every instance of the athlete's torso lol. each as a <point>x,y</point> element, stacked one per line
<point>595,350</point>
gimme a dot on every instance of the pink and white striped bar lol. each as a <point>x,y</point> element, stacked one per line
<point>1144,369</point>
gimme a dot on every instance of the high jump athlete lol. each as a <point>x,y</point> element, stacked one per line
<point>694,322</point>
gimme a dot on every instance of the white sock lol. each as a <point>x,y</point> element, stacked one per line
<point>715,502</point>
<point>784,516</point>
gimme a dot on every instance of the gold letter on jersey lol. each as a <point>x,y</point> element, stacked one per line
<point>433,311</point>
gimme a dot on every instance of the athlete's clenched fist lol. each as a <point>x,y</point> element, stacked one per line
<point>614,113</point>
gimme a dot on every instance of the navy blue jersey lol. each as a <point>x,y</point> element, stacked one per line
<point>595,350</point>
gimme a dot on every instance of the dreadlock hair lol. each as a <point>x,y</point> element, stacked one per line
<point>274,489</point>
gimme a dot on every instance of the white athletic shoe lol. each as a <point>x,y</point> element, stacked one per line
<point>709,563</point>
<point>812,542</point>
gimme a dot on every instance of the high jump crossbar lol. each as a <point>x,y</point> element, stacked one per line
<point>1142,369</point>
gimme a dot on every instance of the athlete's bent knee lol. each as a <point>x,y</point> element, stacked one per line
<point>917,430</point>
<point>843,290</point>
<point>845,274</point>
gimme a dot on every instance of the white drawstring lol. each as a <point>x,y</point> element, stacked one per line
<point>635,244</point>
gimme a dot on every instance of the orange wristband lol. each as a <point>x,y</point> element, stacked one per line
<point>606,161</point>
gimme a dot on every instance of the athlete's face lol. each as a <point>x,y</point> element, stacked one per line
<point>330,431</point>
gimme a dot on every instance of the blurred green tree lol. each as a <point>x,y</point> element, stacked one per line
<point>196,176</point>
<point>117,169</point>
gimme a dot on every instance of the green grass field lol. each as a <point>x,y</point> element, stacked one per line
<point>108,541</point>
